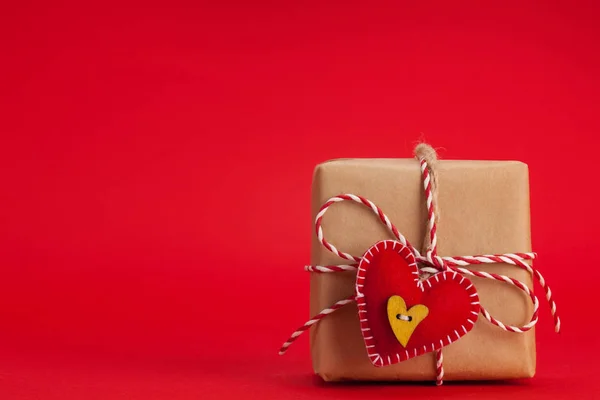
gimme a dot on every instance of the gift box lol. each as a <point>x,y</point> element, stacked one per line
<point>484,209</point>
<point>438,247</point>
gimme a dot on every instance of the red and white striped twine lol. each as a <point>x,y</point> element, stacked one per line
<point>430,263</point>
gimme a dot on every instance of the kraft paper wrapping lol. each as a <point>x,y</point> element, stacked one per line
<point>484,209</point>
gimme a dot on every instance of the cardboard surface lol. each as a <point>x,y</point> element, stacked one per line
<point>484,209</point>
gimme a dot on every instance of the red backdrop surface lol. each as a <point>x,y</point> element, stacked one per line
<point>156,163</point>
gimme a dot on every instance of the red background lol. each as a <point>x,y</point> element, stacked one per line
<point>156,163</point>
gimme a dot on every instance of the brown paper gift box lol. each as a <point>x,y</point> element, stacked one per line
<point>484,209</point>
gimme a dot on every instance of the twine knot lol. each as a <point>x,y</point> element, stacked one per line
<point>434,261</point>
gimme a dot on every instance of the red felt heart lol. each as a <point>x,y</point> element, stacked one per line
<point>389,269</point>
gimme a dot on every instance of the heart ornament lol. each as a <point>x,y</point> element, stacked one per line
<point>402,317</point>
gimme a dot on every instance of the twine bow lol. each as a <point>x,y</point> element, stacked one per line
<point>430,262</point>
